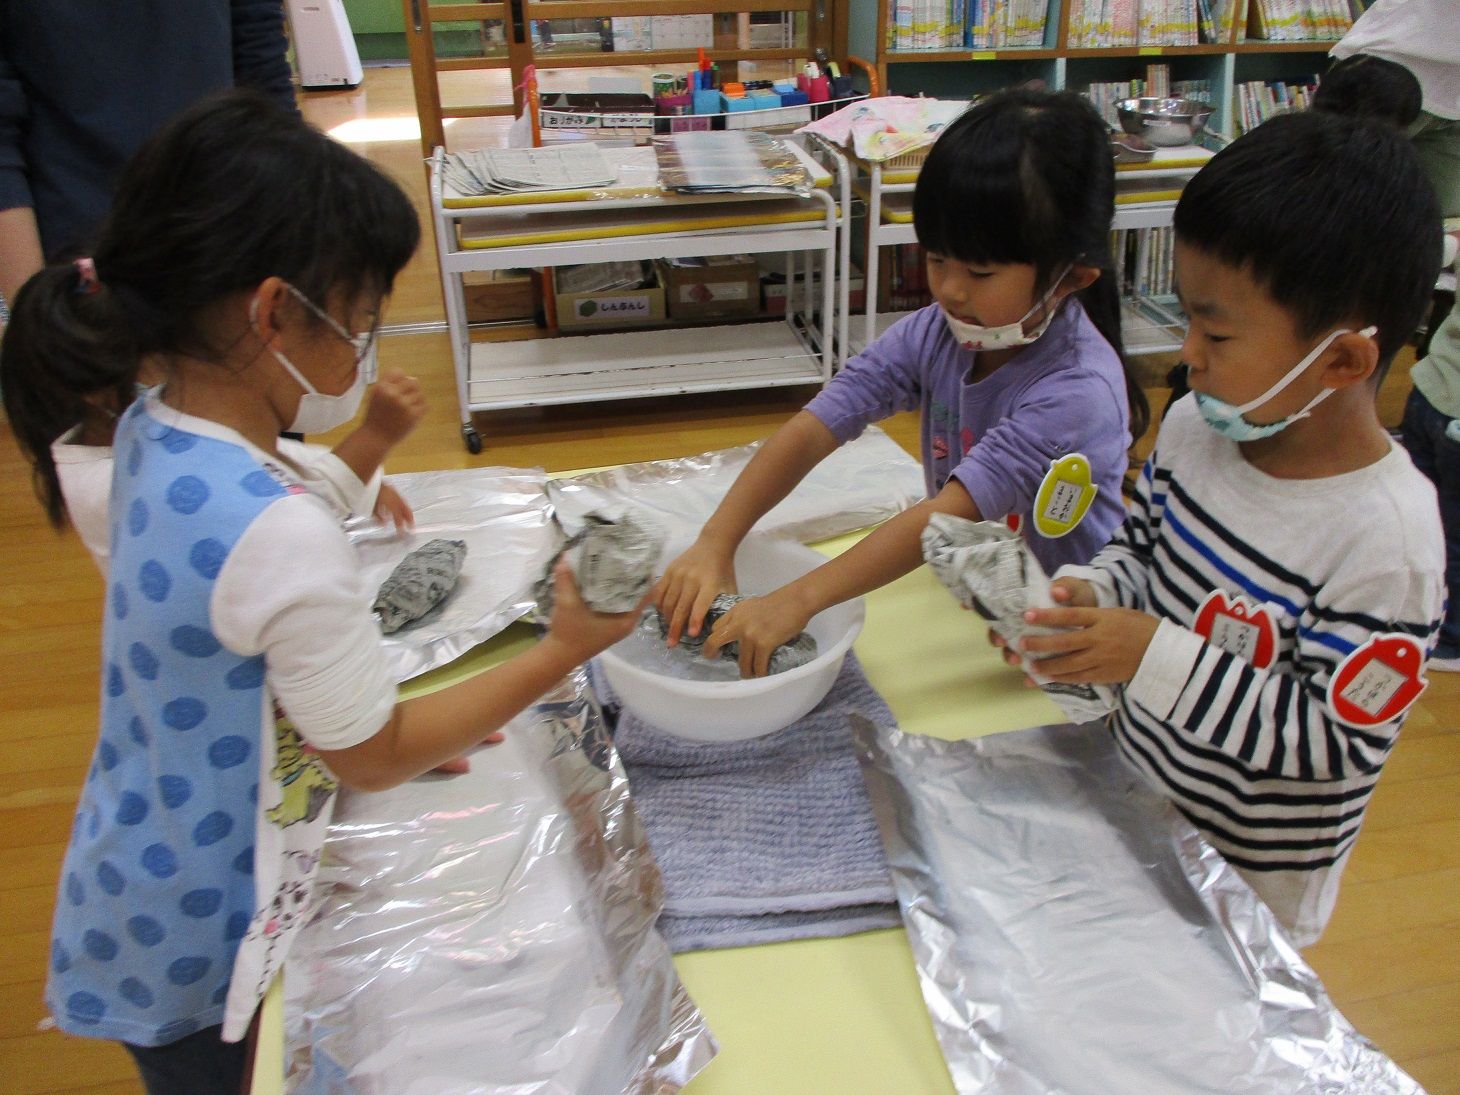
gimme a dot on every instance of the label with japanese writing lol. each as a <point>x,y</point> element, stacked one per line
<point>630,307</point>
<point>1238,626</point>
<point>1064,496</point>
<point>1378,682</point>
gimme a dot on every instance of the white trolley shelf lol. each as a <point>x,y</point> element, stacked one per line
<point>635,220</point>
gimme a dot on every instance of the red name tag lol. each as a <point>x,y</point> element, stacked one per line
<point>1239,627</point>
<point>1378,682</point>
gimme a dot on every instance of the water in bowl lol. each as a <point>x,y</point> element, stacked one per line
<point>645,649</point>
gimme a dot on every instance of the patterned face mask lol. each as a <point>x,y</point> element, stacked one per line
<point>972,336</point>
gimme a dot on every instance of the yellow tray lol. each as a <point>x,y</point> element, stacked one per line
<point>894,173</point>
<point>579,225</point>
<point>1139,197</point>
<point>896,208</point>
<point>1169,158</point>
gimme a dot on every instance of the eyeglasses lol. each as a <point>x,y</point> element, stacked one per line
<point>363,343</point>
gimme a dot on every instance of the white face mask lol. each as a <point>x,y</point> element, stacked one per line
<point>317,412</point>
<point>1228,419</point>
<point>972,336</point>
<point>320,413</point>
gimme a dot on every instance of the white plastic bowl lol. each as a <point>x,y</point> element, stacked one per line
<point>741,709</point>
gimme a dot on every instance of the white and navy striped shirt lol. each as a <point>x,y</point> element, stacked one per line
<point>1254,756</point>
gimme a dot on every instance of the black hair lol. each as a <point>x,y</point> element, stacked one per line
<point>1334,219</point>
<point>233,191</point>
<point>1026,176</point>
<point>1364,86</point>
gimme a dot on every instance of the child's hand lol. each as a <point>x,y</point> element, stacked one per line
<point>1105,647</point>
<point>576,628</point>
<point>392,509</point>
<point>759,625</point>
<point>395,407</point>
<point>690,585</point>
<point>1075,592</point>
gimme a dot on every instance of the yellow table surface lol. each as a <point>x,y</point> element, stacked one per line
<point>826,1016</point>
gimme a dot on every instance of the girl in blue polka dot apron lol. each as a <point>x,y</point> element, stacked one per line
<point>244,264</point>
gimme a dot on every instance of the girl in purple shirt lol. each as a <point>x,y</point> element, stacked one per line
<point>1017,364</point>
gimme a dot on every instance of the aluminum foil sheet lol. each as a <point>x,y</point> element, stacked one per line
<point>729,161</point>
<point>864,482</point>
<point>1074,934</point>
<point>502,515</point>
<point>494,932</point>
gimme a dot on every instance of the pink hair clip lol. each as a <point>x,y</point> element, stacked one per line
<point>87,281</point>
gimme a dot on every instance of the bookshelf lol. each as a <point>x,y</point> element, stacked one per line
<point>454,45</point>
<point>1062,61</point>
<point>1222,55</point>
<point>470,61</point>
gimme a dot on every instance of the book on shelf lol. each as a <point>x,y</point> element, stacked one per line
<point>1205,25</point>
<point>1298,20</point>
<point>900,33</point>
<point>967,24</point>
<point>1256,101</point>
<point>1101,24</point>
<point>907,279</point>
<point>1144,261</point>
<point>1158,81</point>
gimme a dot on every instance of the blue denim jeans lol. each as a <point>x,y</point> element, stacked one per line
<point>1438,455</point>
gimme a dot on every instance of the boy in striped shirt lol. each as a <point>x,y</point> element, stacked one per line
<point>1269,602</point>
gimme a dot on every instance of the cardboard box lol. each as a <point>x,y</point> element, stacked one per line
<point>774,289</point>
<point>725,287</point>
<point>499,296</point>
<point>610,308</point>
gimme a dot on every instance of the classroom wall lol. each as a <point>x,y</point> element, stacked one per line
<point>379,29</point>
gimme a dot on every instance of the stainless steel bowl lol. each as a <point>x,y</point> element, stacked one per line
<point>1164,122</point>
<point>1127,148</point>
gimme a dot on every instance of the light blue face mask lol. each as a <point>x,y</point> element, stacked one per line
<point>1228,420</point>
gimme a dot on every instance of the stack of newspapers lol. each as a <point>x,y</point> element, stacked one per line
<point>521,170</point>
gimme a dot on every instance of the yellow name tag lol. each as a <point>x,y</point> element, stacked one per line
<point>1064,497</point>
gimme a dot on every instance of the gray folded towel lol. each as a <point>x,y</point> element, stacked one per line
<point>706,933</point>
<point>778,826</point>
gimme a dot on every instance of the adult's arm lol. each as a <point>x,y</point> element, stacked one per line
<point>20,249</point>
<point>20,244</point>
<point>260,50</point>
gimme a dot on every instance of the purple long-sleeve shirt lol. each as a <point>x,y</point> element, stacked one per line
<point>1064,393</point>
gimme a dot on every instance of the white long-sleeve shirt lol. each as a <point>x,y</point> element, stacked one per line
<point>1247,744</point>
<point>1421,35</point>
<point>85,473</point>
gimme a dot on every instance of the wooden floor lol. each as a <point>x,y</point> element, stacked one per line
<point>1390,958</point>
